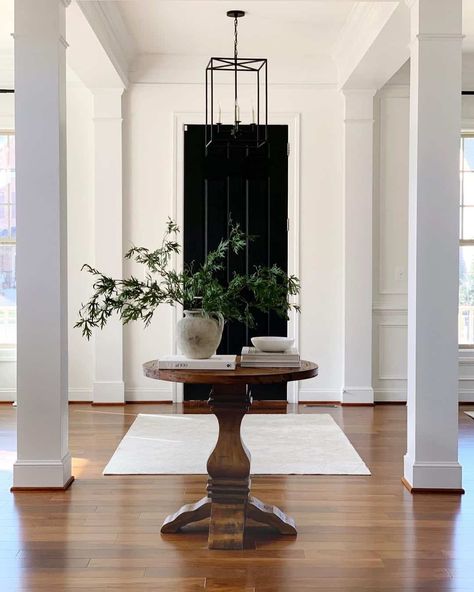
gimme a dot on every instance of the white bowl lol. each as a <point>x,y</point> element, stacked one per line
<point>272,344</point>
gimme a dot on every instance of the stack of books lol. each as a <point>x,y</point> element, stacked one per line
<point>183,363</point>
<point>251,357</point>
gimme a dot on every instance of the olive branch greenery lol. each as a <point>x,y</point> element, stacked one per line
<point>264,289</point>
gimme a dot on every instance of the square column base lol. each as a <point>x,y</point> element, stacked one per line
<point>432,477</point>
<point>42,474</point>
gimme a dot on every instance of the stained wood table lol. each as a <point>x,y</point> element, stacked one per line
<point>228,502</point>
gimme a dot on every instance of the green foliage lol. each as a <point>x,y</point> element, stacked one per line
<point>197,286</point>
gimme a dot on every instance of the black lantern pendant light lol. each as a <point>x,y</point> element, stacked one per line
<point>239,134</point>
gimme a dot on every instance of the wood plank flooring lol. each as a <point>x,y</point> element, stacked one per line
<point>354,533</point>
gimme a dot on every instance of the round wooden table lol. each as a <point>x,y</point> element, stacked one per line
<point>228,503</point>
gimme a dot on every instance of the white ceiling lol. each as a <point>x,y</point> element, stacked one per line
<point>290,28</point>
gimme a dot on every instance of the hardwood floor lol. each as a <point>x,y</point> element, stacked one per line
<point>354,533</point>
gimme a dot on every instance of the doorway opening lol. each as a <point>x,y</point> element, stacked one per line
<point>251,188</point>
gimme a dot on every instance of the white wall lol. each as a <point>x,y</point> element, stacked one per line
<point>80,236</point>
<point>150,177</point>
<point>80,179</point>
<point>391,241</point>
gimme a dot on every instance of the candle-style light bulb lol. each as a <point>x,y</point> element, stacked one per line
<point>253,114</point>
<point>237,112</point>
<point>219,117</point>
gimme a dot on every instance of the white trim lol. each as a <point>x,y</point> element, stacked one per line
<point>319,395</point>
<point>42,473</point>
<point>7,395</point>
<point>322,86</point>
<point>107,23</point>
<point>108,391</point>
<point>387,395</point>
<point>357,394</point>
<point>148,394</point>
<point>80,394</point>
<point>358,121</point>
<point>432,475</point>
<point>435,36</point>
<point>466,395</point>
<point>292,120</point>
<point>388,308</point>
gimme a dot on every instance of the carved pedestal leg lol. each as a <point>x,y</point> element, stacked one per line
<point>229,469</point>
<point>187,514</point>
<point>271,515</point>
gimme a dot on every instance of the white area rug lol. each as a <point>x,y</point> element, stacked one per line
<point>279,445</point>
<point>470,413</point>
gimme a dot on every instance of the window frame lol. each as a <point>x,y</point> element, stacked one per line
<point>464,242</point>
<point>4,346</point>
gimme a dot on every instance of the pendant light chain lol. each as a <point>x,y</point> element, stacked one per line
<point>236,24</point>
<point>236,98</point>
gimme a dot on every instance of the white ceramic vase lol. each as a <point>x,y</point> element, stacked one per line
<point>199,333</point>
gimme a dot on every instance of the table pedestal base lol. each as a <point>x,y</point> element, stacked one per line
<point>227,526</point>
<point>228,504</point>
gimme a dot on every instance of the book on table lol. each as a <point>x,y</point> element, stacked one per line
<point>251,357</point>
<point>177,362</point>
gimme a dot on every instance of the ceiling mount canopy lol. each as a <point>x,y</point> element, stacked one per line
<point>242,84</point>
<point>236,13</point>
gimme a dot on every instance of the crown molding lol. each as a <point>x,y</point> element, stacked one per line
<point>108,25</point>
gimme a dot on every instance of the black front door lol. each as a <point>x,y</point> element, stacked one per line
<point>251,187</point>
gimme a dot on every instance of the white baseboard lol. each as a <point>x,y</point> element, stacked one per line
<point>148,394</point>
<point>7,395</point>
<point>319,395</point>
<point>80,394</point>
<point>363,395</point>
<point>466,395</point>
<point>432,475</point>
<point>110,391</point>
<point>42,473</point>
<point>390,395</point>
<point>381,395</point>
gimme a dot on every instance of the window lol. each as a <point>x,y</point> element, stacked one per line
<point>7,240</point>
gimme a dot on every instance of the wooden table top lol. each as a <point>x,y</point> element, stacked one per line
<point>238,376</point>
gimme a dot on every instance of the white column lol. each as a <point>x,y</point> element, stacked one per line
<point>358,175</point>
<point>40,123</point>
<point>108,384</point>
<point>431,461</point>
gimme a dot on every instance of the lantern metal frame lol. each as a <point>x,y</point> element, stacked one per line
<point>254,134</point>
